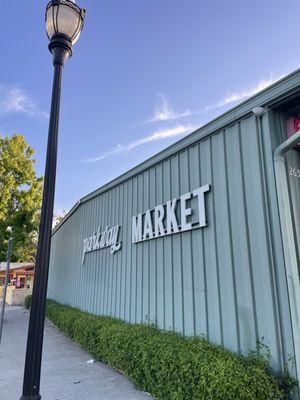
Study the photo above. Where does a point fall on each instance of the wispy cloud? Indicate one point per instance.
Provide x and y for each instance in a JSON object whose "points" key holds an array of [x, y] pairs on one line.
{"points": [[157, 135], [13, 99], [164, 111], [242, 95]]}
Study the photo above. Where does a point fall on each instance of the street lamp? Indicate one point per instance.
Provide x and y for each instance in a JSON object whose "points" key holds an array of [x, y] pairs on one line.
{"points": [[64, 22]]}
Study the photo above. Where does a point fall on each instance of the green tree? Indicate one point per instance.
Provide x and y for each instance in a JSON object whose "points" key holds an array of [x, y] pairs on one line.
{"points": [[20, 198], [58, 218]]}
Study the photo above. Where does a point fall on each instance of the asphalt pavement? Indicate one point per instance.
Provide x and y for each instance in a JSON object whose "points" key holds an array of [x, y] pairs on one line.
{"points": [[66, 375]]}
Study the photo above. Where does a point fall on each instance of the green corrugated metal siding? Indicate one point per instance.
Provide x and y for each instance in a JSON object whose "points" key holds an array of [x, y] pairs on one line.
{"points": [[226, 281]]}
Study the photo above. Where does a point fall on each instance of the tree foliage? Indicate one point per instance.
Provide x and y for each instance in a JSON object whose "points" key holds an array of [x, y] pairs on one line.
{"points": [[58, 218], [20, 198]]}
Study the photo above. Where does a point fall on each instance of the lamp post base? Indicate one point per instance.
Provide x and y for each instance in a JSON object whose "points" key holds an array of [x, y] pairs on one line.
{"points": [[31, 397]]}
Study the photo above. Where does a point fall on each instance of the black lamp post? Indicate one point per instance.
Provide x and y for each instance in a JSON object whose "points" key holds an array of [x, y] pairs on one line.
{"points": [[64, 22]]}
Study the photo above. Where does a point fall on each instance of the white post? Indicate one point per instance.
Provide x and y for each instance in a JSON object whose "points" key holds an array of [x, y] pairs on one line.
{"points": [[5, 285]]}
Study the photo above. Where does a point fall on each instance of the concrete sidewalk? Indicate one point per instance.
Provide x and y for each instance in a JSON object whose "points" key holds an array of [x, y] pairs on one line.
{"points": [[65, 373]]}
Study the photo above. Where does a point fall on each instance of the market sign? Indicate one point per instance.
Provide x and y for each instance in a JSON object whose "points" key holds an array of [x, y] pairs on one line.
{"points": [[101, 240], [177, 215], [163, 220]]}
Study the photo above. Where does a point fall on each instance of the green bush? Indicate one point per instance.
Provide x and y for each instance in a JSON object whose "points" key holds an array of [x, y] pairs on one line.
{"points": [[167, 365], [27, 301]]}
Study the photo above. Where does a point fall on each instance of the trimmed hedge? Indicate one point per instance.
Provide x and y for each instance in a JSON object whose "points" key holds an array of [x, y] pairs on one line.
{"points": [[167, 365], [27, 301]]}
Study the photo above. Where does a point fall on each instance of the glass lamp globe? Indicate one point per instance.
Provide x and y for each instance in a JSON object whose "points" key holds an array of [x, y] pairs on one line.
{"points": [[64, 17]]}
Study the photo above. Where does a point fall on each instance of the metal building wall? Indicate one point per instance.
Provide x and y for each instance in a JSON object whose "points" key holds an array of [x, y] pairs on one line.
{"points": [[225, 281], [293, 170]]}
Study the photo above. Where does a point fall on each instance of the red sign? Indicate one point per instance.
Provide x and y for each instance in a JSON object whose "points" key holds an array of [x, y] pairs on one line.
{"points": [[293, 126]]}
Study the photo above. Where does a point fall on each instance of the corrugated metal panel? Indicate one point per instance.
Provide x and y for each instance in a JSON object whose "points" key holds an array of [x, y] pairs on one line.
{"points": [[225, 282]]}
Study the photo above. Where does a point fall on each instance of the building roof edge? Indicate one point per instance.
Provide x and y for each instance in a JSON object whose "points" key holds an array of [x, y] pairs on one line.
{"points": [[274, 93]]}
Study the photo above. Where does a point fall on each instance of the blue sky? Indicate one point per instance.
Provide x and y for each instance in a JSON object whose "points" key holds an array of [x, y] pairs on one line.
{"points": [[143, 75]]}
